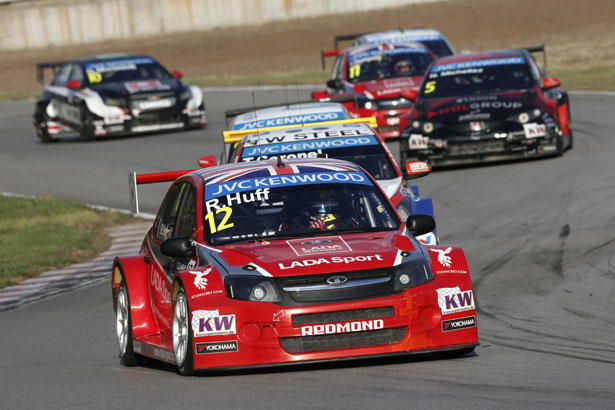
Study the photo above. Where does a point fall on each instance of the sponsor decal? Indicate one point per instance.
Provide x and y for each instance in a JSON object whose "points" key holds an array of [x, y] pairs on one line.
{"points": [[417, 141], [534, 130], [301, 136], [289, 120], [343, 327], [475, 116], [278, 316], [419, 167], [200, 281], [452, 300], [336, 259], [136, 346], [314, 145], [163, 354], [208, 293], [443, 257], [377, 52], [159, 284], [403, 38], [478, 63], [153, 104], [250, 184], [457, 324], [448, 110], [217, 347], [136, 86], [302, 247], [212, 323], [118, 65], [311, 154]]}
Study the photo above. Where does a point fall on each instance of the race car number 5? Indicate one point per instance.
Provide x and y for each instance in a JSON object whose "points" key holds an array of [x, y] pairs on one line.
{"points": [[430, 87], [223, 223]]}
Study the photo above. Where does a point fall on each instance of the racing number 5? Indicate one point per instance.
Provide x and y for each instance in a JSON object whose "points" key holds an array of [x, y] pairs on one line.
{"points": [[430, 87], [223, 224]]}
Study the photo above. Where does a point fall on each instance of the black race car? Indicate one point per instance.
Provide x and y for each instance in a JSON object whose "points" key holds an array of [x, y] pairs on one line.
{"points": [[486, 107], [115, 94]]}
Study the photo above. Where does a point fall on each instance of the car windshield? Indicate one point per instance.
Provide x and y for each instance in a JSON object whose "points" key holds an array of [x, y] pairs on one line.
{"points": [[477, 77], [439, 48], [364, 151], [125, 70], [377, 64], [237, 211]]}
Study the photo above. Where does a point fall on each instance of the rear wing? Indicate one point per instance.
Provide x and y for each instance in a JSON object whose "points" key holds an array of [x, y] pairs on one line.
{"points": [[538, 49], [40, 69], [135, 179], [345, 37], [231, 137], [328, 53]]}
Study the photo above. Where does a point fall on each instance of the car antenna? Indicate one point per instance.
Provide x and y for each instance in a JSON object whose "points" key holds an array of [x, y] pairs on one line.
{"points": [[258, 138], [286, 92]]}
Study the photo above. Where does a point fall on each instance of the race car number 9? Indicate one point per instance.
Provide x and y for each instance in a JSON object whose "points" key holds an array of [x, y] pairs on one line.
{"points": [[354, 71], [94, 78], [430, 87], [223, 223]]}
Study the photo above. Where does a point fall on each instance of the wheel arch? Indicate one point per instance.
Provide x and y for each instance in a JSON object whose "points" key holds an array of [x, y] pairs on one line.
{"points": [[134, 271]]}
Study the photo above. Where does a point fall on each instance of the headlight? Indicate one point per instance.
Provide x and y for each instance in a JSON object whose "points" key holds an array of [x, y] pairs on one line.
{"points": [[411, 274], [428, 127], [115, 102], [253, 288], [368, 105], [524, 117], [186, 95]]}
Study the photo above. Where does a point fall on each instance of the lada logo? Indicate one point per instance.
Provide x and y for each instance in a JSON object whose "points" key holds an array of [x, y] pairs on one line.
{"points": [[336, 280], [154, 98]]}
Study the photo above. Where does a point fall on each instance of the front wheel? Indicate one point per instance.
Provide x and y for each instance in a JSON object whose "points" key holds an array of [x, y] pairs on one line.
{"points": [[124, 327], [87, 124], [182, 336]]}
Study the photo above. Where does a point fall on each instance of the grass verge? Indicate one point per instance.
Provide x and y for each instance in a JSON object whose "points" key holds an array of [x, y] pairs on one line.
{"points": [[584, 78], [289, 78], [37, 235]]}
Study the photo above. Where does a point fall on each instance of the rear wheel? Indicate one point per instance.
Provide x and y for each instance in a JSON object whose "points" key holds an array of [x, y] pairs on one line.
{"points": [[182, 336], [42, 132], [124, 327], [87, 124]]}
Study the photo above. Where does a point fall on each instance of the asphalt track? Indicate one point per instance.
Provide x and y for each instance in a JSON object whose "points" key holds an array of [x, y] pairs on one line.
{"points": [[539, 236]]}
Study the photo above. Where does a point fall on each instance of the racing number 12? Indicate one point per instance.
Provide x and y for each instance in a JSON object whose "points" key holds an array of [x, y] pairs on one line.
{"points": [[223, 224]]}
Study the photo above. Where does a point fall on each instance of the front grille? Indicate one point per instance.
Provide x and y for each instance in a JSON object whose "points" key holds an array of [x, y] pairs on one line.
{"points": [[303, 344], [387, 128], [343, 316], [314, 289], [476, 147]]}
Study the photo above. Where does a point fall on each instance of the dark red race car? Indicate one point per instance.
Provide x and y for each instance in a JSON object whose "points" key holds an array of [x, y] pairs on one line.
{"points": [[274, 262], [370, 80]]}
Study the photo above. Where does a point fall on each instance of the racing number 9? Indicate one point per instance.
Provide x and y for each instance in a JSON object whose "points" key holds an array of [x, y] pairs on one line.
{"points": [[223, 224], [430, 87]]}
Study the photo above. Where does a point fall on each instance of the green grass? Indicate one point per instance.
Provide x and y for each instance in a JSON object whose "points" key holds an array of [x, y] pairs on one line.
{"points": [[581, 77], [37, 235], [289, 78]]}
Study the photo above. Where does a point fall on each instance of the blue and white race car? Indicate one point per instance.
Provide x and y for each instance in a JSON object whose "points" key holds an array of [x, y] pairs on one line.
{"points": [[115, 94]]}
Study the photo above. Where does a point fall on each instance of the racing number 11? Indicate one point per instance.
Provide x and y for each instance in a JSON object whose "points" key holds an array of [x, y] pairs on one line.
{"points": [[223, 224]]}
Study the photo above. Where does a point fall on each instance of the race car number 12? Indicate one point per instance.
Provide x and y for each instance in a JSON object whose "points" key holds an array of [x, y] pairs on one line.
{"points": [[223, 223]]}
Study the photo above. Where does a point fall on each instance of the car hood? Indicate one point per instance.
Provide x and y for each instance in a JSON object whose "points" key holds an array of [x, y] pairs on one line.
{"points": [[389, 87], [320, 254], [477, 107], [129, 88]]}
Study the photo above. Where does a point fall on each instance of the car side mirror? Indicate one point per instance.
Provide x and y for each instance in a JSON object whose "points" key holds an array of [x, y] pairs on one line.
{"points": [[420, 224], [550, 82], [417, 169], [410, 94], [73, 84], [178, 247], [207, 161], [334, 83], [177, 74]]}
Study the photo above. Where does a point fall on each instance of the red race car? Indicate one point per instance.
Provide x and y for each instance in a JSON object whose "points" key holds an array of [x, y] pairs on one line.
{"points": [[370, 80], [278, 262]]}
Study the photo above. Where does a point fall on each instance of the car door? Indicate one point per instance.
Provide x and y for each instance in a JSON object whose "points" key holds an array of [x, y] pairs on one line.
{"points": [[177, 216], [62, 99]]}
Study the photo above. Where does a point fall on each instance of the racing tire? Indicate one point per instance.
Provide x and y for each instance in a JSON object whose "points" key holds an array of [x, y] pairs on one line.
{"points": [[182, 335], [559, 150], [42, 133], [570, 139], [123, 323], [87, 124]]}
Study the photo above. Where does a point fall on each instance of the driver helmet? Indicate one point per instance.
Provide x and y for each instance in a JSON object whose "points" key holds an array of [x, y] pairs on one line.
{"points": [[404, 67]]}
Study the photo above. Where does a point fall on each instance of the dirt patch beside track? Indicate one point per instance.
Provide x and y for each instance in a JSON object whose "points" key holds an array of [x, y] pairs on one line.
{"points": [[574, 32]]}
